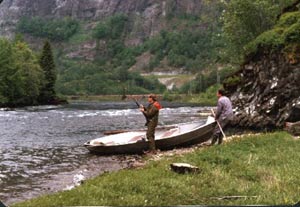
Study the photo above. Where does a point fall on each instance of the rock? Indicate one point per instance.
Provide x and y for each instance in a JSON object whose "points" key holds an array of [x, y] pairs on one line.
{"points": [[268, 94], [184, 168], [293, 128]]}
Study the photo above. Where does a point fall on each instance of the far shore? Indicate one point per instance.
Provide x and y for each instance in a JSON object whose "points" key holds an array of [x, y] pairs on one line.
{"points": [[176, 98]]}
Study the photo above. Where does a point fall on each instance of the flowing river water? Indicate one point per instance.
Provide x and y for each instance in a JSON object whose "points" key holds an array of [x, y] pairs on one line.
{"points": [[41, 148]]}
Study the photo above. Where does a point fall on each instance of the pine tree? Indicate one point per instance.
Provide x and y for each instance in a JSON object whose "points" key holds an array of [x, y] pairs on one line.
{"points": [[48, 95]]}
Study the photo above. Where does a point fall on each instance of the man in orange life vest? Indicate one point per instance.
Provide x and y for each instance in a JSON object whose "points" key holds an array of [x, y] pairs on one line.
{"points": [[151, 113]]}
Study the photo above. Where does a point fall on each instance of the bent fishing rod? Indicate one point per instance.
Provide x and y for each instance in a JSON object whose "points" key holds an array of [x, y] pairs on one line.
{"points": [[141, 106]]}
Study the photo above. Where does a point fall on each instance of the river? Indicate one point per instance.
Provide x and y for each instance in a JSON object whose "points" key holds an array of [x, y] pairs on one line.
{"points": [[41, 148]]}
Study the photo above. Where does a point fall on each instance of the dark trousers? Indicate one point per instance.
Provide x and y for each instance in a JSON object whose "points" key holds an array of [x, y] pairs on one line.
{"points": [[150, 135], [217, 135]]}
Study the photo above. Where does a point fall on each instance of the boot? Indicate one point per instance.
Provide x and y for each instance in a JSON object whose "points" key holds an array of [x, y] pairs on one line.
{"points": [[220, 139], [214, 139]]}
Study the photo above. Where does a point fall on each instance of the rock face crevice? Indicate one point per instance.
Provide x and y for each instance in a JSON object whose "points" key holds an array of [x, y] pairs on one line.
{"points": [[268, 92]]}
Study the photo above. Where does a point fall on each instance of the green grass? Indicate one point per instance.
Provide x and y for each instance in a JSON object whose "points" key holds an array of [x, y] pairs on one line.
{"points": [[207, 98], [265, 168]]}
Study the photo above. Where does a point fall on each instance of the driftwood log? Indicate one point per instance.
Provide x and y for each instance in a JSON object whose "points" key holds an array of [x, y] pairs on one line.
{"points": [[183, 168], [293, 128]]}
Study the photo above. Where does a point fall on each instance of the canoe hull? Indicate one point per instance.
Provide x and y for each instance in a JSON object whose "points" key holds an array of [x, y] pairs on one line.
{"points": [[198, 135]]}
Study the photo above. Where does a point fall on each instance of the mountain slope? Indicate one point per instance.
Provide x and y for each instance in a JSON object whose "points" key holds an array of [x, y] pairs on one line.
{"points": [[177, 33]]}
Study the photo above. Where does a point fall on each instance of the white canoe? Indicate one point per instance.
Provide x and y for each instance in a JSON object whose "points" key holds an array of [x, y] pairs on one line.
{"points": [[134, 142]]}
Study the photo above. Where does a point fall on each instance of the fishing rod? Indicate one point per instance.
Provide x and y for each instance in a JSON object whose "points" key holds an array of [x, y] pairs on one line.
{"points": [[137, 103], [141, 106]]}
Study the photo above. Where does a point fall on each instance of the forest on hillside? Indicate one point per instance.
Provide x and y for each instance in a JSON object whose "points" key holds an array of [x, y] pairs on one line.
{"points": [[210, 52]]}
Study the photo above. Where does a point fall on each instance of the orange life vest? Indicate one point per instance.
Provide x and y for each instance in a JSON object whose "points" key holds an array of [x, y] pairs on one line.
{"points": [[157, 105]]}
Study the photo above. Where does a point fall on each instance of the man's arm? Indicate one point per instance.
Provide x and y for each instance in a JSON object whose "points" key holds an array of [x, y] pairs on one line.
{"points": [[219, 109], [151, 112]]}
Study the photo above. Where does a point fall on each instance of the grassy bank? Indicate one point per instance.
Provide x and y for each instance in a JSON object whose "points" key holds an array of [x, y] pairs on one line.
{"points": [[261, 169]]}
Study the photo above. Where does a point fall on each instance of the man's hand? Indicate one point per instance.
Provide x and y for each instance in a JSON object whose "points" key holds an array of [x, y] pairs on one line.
{"points": [[142, 108], [213, 113]]}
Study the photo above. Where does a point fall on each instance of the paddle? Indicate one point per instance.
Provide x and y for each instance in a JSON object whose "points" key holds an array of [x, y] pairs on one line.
{"points": [[2, 204], [218, 124]]}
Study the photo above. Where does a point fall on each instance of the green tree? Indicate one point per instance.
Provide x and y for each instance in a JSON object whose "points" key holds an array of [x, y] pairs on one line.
{"points": [[29, 73], [244, 20], [7, 72], [20, 74], [47, 64]]}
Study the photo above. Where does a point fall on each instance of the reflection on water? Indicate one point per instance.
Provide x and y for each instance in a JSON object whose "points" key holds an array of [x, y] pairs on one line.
{"points": [[41, 148]]}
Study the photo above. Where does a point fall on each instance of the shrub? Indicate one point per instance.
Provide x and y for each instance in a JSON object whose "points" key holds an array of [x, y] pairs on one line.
{"points": [[53, 29], [288, 19], [292, 34], [269, 39], [111, 28], [285, 32]]}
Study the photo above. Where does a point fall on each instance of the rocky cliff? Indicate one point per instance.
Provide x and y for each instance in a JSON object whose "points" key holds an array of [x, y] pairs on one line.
{"points": [[150, 12], [268, 94], [266, 91]]}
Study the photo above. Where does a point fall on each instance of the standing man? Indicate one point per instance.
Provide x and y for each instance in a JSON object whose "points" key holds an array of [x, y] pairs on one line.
{"points": [[223, 115], [151, 113]]}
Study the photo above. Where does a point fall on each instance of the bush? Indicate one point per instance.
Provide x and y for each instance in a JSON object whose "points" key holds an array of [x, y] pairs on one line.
{"points": [[53, 29], [269, 39], [292, 34], [111, 28], [289, 19], [285, 32]]}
